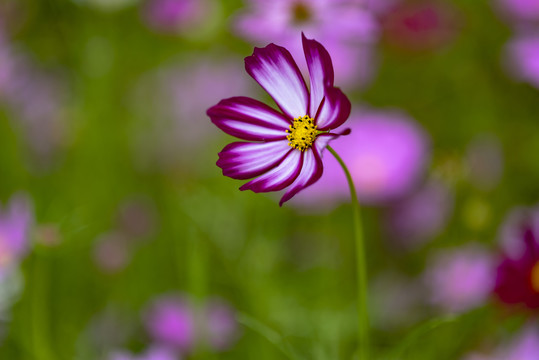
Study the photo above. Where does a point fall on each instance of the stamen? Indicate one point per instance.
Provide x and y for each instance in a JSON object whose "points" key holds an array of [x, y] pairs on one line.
{"points": [[302, 137]]}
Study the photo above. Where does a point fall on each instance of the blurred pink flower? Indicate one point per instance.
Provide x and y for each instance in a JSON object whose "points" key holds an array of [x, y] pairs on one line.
{"points": [[520, 10], [517, 276], [35, 99], [176, 98], [173, 16], [221, 325], [176, 322], [522, 54], [16, 221], [525, 346], [460, 279], [422, 25], [170, 321], [386, 154], [421, 215], [347, 29]]}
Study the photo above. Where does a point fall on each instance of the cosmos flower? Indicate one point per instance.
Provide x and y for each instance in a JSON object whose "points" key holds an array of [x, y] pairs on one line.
{"points": [[176, 322], [350, 40], [517, 277], [15, 224], [519, 10], [420, 25], [171, 321], [175, 97], [221, 325], [460, 279], [522, 54], [524, 346], [173, 16], [283, 149]]}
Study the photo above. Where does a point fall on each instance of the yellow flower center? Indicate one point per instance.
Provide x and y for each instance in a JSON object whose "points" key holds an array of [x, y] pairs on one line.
{"points": [[300, 13], [302, 133], [535, 277]]}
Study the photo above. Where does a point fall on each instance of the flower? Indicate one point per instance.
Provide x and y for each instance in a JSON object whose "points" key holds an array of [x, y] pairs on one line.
{"points": [[171, 321], [348, 30], [175, 97], [221, 325], [520, 10], [522, 53], [460, 279], [525, 346], [172, 16], [176, 322], [517, 276], [385, 153], [420, 25], [283, 149], [15, 224]]}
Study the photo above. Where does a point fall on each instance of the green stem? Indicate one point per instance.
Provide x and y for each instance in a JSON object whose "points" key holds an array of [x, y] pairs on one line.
{"points": [[361, 269]]}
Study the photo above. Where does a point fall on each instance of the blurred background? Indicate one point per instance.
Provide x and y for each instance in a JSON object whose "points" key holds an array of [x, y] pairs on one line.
{"points": [[120, 239]]}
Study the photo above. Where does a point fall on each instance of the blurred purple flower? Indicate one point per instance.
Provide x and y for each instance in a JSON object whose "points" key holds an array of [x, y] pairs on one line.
{"points": [[520, 10], [173, 16], [421, 215], [283, 149], [460, 279], [222, 327], [522, 53], [422, 25], [170, 321], [35, 99], [153, 353], [176, 98], [346, 28], [386, 154], [517, 278], [16, 221], [523, 347]]}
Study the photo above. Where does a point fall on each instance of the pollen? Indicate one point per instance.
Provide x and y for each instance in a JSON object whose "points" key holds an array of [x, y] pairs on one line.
{"points": [[302, 133]]}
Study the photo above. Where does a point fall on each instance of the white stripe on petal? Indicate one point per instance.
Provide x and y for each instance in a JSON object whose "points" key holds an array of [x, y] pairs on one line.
{"points": [[280, 176], [275, 70]]}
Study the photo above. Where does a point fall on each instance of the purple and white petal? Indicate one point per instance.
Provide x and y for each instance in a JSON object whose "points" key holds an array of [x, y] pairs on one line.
{"points": [[334, 110], [280, 176], [248, 119], [276, 71], [320, 71], [311, 171], [243, 160]]}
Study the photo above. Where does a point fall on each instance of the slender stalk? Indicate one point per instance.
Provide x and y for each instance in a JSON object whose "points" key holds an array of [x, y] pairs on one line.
{"points": [[361, 269]]}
